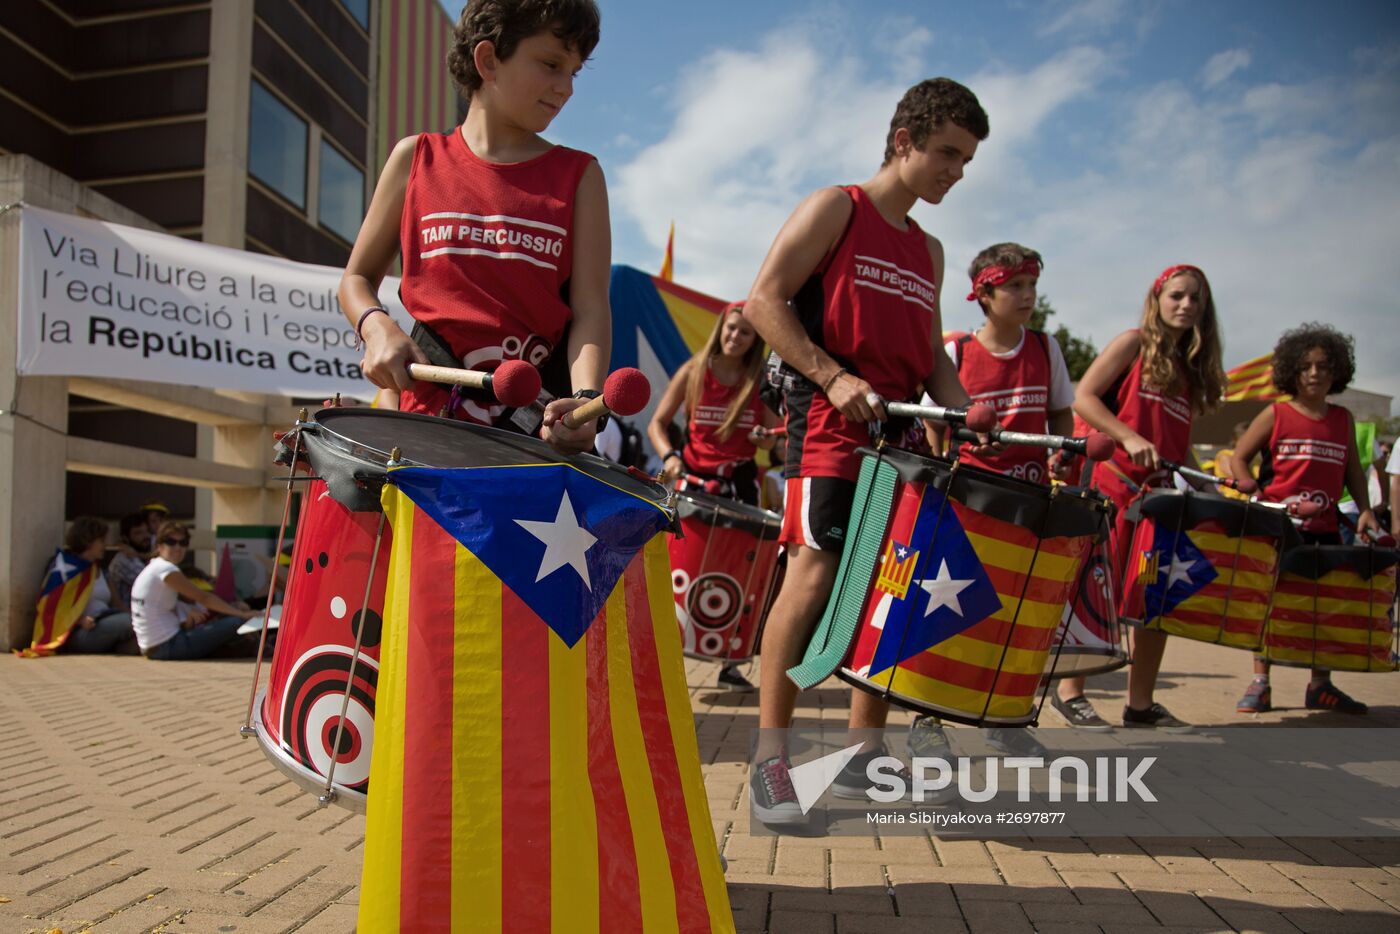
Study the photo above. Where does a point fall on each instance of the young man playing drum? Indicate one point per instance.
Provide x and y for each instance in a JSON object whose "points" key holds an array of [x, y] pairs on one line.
{"points": [[863, 279]]}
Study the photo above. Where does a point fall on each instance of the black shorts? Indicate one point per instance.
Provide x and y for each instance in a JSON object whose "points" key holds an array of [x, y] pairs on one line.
{"points": [[816, 512]]}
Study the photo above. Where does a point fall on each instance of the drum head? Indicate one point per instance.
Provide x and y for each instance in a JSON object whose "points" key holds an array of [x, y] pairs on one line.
{"points": [[350, 448], [726, 513]]}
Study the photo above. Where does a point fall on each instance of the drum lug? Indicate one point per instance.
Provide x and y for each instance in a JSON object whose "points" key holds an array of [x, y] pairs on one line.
{"points": [[326, 799], [246, 731]]}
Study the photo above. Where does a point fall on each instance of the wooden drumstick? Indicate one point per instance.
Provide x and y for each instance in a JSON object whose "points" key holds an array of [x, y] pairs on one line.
{"points": [[515, 383], [626, 392], [979, 416], [1096, 446]]}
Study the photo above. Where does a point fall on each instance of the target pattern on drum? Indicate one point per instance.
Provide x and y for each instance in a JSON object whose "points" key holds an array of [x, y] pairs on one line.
{"points": [[713, 602], [311, 711]]}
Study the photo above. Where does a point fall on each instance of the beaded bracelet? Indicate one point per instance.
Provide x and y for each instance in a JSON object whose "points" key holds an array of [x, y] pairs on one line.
{"points": [[832, 381], [360, 325]]}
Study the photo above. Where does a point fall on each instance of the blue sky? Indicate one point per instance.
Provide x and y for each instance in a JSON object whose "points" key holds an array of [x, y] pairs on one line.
{"points": [[1259, 140]]}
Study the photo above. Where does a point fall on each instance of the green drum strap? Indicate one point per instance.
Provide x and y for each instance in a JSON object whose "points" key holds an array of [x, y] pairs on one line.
{"points": [[865, 532]]}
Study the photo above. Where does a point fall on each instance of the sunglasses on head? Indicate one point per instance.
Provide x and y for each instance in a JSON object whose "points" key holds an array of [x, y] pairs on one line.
{"points": [[176, 542]]}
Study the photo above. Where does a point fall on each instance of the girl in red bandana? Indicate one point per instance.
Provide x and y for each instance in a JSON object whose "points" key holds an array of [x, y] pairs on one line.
{"points": [[1142, 391]]}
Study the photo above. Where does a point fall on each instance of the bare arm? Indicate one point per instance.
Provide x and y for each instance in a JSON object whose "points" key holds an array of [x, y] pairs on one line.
{"points": [[1357, 485], [806, 238], [388, 350], [666, 412], [1102, 373], [942, 384], [183, 586], [1255, 437], [1394, 500], [590, 334]]}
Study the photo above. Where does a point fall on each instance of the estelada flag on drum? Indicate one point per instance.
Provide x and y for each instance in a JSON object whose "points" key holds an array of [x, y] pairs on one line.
{"points": [[61, 602], [535, 765]]}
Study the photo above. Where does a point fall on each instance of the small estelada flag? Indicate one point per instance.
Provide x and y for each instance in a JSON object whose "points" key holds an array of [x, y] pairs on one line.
{"points": [[896, 569], [61, 602]]}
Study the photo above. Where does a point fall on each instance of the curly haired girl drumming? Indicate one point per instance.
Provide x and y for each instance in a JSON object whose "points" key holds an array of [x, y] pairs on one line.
{"points": [[1142, 391], [1309, 450]]}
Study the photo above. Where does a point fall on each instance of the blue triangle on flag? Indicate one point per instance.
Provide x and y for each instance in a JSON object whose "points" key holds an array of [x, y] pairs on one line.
{"points": [[951, 591], [65, 567], [1182, 570], [557, 537]]}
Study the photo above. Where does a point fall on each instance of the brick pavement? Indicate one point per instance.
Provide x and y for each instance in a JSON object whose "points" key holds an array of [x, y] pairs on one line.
{"points": [[134, 806]]}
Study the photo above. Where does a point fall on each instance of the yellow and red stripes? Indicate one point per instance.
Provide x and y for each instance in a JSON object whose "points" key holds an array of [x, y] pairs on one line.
{"points": [[1253, 379], [58, 610], [519, 784], [1339, 621]]}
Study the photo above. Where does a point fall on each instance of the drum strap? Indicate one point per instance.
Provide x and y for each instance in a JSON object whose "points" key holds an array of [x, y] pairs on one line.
{"points": [[433, 346]]}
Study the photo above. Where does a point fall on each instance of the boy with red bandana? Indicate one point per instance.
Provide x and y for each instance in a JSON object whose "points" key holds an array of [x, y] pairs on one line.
{"points": [[864, 280], [504, 236]]}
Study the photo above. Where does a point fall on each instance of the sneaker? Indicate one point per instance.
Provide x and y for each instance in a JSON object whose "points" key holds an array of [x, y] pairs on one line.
{"points": [[773, 799], [1327, 696], [1079, 713], [928, 739], [730, 678], [1257, 698], [1016, 741], [1155, 717], [853, 782]]}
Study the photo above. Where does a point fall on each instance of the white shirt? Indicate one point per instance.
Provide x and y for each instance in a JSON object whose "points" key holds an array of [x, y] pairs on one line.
{"points": [[1061, 389], [153, 613], [1392, 466]]}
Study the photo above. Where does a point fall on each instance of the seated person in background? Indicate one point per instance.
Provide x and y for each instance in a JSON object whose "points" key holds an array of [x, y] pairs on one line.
{"points": [[101, 628], [159, 629], [129, 559], [155, 512]]}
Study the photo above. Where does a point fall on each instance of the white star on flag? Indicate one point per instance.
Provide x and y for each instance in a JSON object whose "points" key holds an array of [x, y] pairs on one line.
{"points": [[902, 552], [565, 542], [64, 569], [1178, 571], [943, 590]]}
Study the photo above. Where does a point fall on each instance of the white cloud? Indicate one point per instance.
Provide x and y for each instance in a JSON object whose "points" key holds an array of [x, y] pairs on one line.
{"points": [[1224, 64], [1284, 193], [1085, 16]]}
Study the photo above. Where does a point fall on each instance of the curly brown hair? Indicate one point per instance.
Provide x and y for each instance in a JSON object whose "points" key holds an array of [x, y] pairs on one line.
{"points": [[928, 105], [83, 531], [1294, 345], [504, 23]]}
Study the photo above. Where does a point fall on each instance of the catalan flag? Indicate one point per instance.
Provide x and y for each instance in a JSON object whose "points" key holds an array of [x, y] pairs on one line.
{"points": [[1253, 379], [897, 569], [62, 600], [977, 626], [535, 765], [1331, 609], [1203, 583]]}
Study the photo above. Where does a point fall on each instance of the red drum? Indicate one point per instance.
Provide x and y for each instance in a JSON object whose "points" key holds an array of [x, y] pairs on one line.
{"points": [[1090, 639], [952, 586], [321, 613], [1203, 566], [1332, 609], [725, 570]]}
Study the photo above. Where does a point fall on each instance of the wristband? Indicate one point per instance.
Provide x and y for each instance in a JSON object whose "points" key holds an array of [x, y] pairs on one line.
{"points": [[593, 394], [360, 325], [670, 454], [832, 381]]}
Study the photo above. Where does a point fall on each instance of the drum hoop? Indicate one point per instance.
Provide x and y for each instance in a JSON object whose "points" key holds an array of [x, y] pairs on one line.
{"points": [[730, 508]]}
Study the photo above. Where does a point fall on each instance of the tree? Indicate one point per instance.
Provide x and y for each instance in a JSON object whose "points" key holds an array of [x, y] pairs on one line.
{"points": [[1079, 352]]}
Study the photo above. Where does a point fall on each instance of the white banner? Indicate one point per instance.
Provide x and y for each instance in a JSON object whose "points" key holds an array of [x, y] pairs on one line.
{"points": [[99, 299]]}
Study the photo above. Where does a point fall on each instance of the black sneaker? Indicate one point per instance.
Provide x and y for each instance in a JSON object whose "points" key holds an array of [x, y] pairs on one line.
{"points": [[1080, 714], [929, 740], [732, 680], [1327, 696], [1155, 717], [772, 797], [1016, 741], [853, 783]]}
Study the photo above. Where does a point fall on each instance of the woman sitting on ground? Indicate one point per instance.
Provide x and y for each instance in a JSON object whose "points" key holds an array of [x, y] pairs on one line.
{"points": [[162, 633], [102, 627]]}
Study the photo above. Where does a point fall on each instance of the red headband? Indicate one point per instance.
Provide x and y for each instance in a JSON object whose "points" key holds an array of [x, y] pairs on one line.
{"points": [[1000, 275], [1171, 271]]}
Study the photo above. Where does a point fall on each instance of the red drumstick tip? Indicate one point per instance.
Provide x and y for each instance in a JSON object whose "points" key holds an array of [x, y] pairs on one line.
{"points": [[1246, 485], [1305, 508], [980, 417], [515, 383], [1098, 446], [1385, 541], [627, 391]]}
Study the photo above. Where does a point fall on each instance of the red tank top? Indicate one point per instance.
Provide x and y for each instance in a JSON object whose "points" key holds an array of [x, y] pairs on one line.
{"points": [[1163, 418], [1018, 387], [1307, 460], [704, 451], [871, 307], [488, 250]]}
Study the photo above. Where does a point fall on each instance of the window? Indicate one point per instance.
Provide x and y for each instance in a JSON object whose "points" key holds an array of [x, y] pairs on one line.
{"points": [[340, 194], [277, 146], [358, 9]]}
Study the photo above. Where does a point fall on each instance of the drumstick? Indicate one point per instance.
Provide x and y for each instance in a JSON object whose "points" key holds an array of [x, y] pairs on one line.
{"points": [[779, 432], [1096, 445], [979, 416], [1242, 485], [625, 392], [1376, 537], [515, 383]]}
